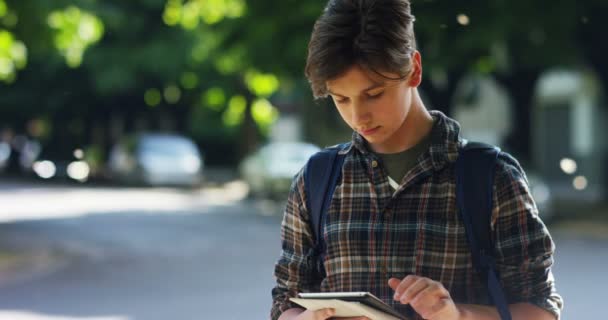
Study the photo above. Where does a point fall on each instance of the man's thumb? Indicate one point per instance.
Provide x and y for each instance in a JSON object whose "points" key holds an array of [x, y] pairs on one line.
{"points": [[326, 313]]}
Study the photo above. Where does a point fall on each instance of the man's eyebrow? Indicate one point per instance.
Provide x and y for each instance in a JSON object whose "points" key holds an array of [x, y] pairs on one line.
{"points": [[333, 93], [373, 86]]}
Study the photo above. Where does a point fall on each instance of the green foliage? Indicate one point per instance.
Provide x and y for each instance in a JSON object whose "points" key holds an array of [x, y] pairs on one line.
{"points": [[3, 9], [497, 36], [172, 94], [75, 30], [188, 14], [264, 114], [13, 56], [235, 113], [189, 80], [152, 97], [262, 85], [214, 98], [215, 65]]}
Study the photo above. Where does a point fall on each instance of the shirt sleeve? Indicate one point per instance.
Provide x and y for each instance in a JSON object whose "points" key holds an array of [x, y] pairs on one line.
{"points": [[295, 271], [524, 246]]}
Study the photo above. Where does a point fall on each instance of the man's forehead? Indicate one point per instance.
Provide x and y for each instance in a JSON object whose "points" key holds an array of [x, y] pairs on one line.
{"points": [[358, 80], [336, 87], [364, 89]]}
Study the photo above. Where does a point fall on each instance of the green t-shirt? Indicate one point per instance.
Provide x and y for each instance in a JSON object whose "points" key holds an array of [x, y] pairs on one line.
{"points": [[398, 164]]}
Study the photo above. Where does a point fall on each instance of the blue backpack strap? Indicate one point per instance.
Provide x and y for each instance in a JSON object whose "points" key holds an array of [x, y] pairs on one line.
{"points": [[321, 176], [474, 184]]}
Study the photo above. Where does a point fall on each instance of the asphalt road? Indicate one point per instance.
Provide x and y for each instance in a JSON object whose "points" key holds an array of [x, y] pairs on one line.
{"points": [[126, 254]]}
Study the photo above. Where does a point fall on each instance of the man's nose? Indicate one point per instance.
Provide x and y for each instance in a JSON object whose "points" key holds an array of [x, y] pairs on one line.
{"points": [[360, 114]]}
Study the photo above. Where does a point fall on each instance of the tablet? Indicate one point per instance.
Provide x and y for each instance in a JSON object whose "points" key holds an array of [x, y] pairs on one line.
{"points": [[361, 297]]}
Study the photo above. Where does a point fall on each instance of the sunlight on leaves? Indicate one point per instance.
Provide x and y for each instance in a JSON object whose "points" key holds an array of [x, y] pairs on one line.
{"points": [[235, 114], [190, 13], [214, 98], [261, 84], [8, 18], [485, 65], [172, 13], [231, 61], [74, 31], [152, 97], [3, 8], [205, 44], [13, 56], [189, 80], [264, 114], [172, 94]]}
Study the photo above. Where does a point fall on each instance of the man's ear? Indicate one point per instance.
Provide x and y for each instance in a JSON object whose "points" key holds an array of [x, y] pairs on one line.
{"points": [[415, 77]]}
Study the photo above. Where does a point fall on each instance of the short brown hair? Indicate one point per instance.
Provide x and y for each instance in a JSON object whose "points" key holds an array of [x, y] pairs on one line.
{"points": [[376, 34]]}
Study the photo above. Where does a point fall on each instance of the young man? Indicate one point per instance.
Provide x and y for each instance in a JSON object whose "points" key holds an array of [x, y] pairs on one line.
{"points": [[392, 227]]}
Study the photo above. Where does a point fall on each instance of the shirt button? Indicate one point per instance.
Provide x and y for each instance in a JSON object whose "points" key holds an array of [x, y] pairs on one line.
{"points": [[374, 164]]}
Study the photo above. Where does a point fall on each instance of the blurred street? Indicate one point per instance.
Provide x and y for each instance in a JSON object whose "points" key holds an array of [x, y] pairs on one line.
{"points": [[69, 252]]}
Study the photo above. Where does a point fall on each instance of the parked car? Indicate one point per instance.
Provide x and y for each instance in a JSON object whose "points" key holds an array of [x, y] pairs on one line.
{"points": [[269, 171], [156, 159], [5, 154], [18, 153], [61, 164]]}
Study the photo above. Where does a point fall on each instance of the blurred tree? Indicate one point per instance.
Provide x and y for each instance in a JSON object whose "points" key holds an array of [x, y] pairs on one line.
{"points": [[220, 70], [252, 48], [512, 40]]}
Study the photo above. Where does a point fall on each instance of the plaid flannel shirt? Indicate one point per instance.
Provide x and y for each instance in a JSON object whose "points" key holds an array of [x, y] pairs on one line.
{"points": [[373, 233]]}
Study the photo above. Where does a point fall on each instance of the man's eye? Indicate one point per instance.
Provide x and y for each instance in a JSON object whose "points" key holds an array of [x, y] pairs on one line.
{"points": [[375, 95], [344, 100]]}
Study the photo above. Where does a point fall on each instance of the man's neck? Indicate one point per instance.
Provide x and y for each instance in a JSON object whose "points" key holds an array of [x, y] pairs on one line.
{"points": [[416, 126]]}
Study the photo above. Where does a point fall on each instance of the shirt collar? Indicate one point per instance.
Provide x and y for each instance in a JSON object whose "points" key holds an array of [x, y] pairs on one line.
{"points": [[445, 141]]}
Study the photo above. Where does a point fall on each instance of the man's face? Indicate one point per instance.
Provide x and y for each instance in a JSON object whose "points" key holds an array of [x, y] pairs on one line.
{"points": [[373, 106]]}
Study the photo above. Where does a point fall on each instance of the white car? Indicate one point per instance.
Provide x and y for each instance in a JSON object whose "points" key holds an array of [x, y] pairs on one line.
{"points": [[270, 170], [156, 159]]}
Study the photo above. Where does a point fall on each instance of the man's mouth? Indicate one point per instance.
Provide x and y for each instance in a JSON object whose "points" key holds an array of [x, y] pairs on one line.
{"points": [[370, 131]]}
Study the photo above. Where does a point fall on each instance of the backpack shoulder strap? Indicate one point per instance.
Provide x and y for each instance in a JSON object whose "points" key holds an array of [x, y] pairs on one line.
{"points": [[475, 168], [321, 175]]}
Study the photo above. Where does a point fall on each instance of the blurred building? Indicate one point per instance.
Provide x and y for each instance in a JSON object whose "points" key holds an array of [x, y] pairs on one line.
{"points": [[483, 108], [287, 128], [569, 124]]}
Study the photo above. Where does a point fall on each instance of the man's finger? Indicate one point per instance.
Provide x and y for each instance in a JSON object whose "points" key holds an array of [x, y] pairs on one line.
{"points": [[413, 290], [394, 283], [323, 314], [425, 300], [405, 284]]}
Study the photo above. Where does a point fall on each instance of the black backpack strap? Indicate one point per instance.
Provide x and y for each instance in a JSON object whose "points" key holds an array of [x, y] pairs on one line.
{"points": [[474, 185], [321, 175]]}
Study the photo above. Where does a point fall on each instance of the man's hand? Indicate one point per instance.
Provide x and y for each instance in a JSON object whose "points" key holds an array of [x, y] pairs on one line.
{"points": [[429, 298], [322, 314]]}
